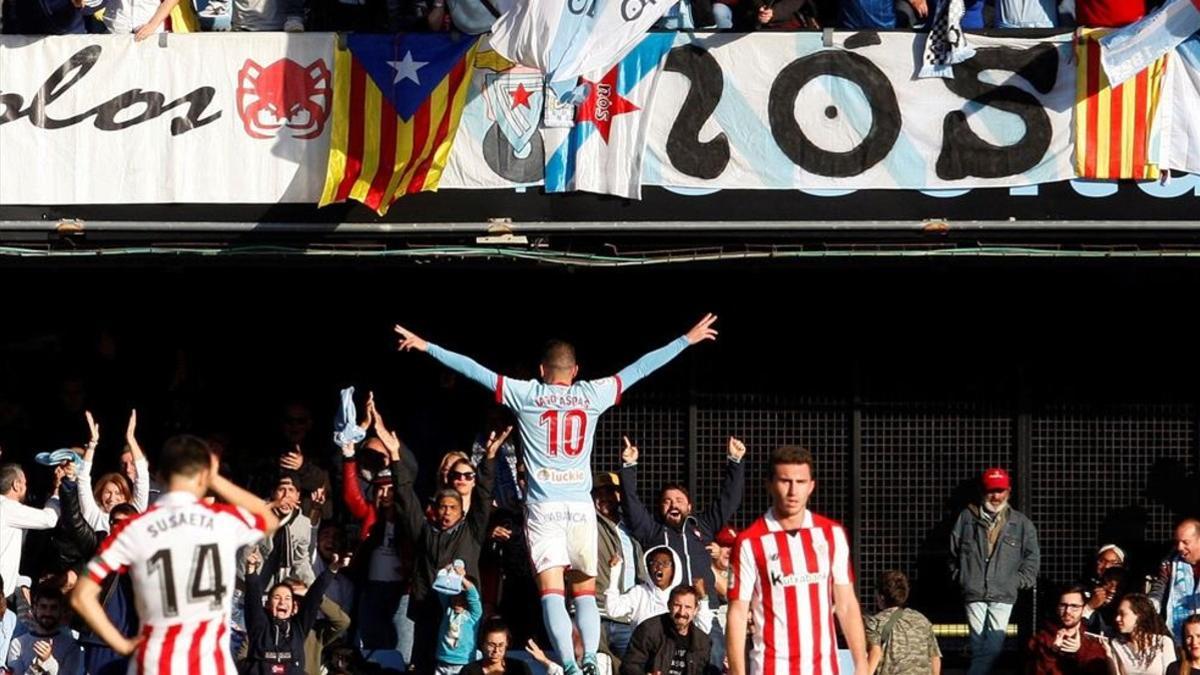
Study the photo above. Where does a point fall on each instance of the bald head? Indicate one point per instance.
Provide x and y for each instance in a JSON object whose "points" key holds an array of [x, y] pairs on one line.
{"points": [[1187, 540]]}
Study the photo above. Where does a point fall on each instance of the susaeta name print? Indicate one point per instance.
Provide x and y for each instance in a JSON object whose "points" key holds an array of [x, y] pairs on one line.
{"points": [[189, 118]]}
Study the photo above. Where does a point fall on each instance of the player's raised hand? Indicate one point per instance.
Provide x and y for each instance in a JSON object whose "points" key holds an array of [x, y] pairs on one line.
{"points": [[495, 442], [410, 340], [630, 454], [703, 330], [737, 449]]}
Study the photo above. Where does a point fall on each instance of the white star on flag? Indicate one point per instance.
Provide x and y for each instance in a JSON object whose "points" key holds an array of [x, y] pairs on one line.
{"points": [[407, 68]]}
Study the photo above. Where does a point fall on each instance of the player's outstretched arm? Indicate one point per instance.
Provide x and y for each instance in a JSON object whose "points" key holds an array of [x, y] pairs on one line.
{"points": [[86, 601], [660, 357], [226, 490], [463, 365]]}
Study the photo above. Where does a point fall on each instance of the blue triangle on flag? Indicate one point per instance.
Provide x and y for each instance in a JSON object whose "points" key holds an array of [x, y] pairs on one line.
{"points": [[408, 66]]}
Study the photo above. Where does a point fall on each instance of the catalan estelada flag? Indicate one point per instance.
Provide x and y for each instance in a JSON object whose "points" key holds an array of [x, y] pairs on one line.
{"points": [[397, 101], [1113, 125]]}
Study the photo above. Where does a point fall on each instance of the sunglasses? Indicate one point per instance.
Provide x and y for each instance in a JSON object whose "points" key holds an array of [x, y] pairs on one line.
{"points": [[465, 475]]}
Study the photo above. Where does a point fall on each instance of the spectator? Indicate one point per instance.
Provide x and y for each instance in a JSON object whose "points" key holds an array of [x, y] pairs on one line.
{"points": [[1105, 597], [453, 535], [143, 19], [277, 632], [506, 559], [461, 613], [48, 648], [782, 15], [82, 540], [1108, 557], [330, 542], [614, 540], [686, 533], [112, 488], [719, 550], [669, 643], [993, 554], [293, 538], [496, 638], [972, 18], [50, 17], [900, 640], [1062, 647], [15, 519], [332, 623], [649, 599], [1189, 663], [1143, 645], [1176, 590], [604, 664]]}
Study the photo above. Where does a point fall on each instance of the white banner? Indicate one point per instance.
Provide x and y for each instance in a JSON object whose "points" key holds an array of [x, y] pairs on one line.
{"points": [[214, 118], [782, 111]]}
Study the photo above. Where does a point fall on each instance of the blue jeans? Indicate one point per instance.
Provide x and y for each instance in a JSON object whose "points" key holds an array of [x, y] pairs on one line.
{"points": [[618, 635], [988, 622], [716, 656], [383, 618]]}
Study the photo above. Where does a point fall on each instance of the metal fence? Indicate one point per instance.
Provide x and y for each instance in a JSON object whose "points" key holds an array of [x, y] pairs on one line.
{"points": [[898, 473]]}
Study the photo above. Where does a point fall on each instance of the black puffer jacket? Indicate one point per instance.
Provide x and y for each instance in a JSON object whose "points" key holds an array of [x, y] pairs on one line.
{"points": [[279, 642]]}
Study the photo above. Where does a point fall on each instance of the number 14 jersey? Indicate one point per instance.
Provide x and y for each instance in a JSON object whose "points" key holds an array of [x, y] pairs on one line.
{"points": [[180, 555]]}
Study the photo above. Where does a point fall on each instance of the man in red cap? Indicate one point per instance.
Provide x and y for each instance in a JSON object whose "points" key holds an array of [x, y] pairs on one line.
{"points": [[993, 555]]}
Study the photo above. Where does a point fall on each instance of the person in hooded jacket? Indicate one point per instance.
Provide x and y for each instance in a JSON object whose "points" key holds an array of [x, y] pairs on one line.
{"points": [[650, 598], [678, 526], [277, 630]]}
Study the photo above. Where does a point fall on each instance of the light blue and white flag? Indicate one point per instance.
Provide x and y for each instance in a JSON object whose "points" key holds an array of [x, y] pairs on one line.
{"points": [[603, 151], [569, 38], [1127, 51]]}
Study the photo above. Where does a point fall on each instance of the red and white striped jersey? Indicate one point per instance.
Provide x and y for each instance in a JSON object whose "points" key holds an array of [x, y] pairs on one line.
{"points": [[181, 556], [788, 576]]}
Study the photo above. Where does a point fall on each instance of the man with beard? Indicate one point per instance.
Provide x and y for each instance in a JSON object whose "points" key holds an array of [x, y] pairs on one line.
{"points": [[49, 648], [1062, 646], [993, 555], [669, 644], [687, 533], [614, 540]]}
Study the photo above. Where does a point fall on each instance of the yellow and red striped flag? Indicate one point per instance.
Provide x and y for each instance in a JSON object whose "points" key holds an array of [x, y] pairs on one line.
{"points": [[1113, 125], [397, 102]]}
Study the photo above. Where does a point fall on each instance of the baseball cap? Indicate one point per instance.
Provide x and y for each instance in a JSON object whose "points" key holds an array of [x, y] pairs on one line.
{"points": [[603, 479], [726, 536], [996, 479]]}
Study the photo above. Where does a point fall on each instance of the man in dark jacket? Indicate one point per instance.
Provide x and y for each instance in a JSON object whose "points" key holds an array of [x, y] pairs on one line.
{"points": [[670, 643], [686, 533], [993, 555], [276, 632], [452, 535]]}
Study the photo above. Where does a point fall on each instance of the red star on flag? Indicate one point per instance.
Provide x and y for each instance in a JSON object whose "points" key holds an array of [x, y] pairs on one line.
{"points": [[603, 103], [520, 96]]}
